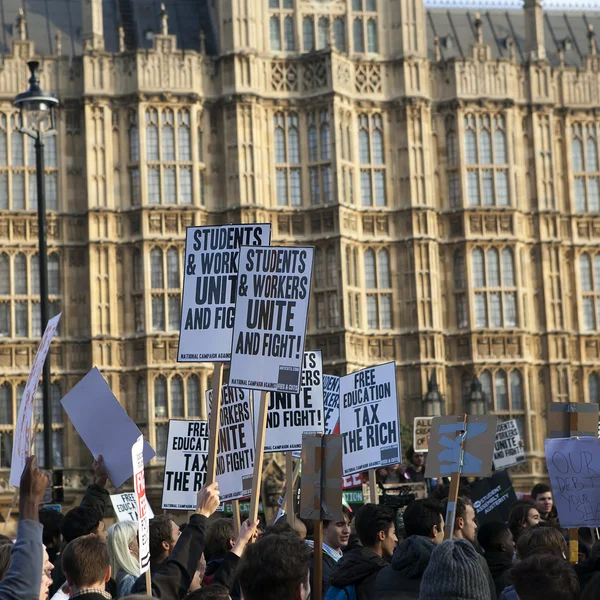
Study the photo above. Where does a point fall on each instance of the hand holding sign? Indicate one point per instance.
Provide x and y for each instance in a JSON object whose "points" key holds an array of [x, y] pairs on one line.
{"points": [[209, 499]]}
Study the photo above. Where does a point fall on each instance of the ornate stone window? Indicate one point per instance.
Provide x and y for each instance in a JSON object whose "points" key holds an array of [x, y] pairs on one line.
{"points": [[364, 26], [165, 299], [460, 296], [372, 160], [201, 175], [339, 33], [590, 290], [354, 296], [326, 288], [378, 283], [281, 25], [495, 288], [346, 173], [319, 157], [586, 170], [287, 159], [505, 394]]}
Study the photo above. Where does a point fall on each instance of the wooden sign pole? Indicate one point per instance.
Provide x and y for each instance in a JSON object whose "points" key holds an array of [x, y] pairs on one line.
{"points": [[573, 532], [454, 486], [317, 589], [288, 499], [284, 499], [148, 583], [214, 424], [237, 521], [259, 452], [373, 495]]}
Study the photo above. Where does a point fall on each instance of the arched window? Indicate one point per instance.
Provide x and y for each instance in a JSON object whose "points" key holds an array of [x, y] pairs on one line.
{"points": [[364, 151], [323, 32], [38, 404], [478, 268], [138, 279], [288, 33], [585, 268], [17, 147], [4, 274], [313, 146], [372, 43], [53, 274], [280, 146], [500, 154], [293, 139], [508, 270], [493, 267], [20, 274], [193, 396], [151, 134], [589, 289], [332, 270], [485, 141], [470, 140], [577, 155], [358, 35], [308, 34], [378, 156], [370, 273], [184, 141], [591, 153], [384, 269], [339, 33], [275, 34], [516, 391], [593, 388], [141, 399], [486, 385], [177, 397], [451, 149], [459, 270], [465, 386], [325, 136], [501, 386], [156, 269], [160, 397], [55, 398], [35, 274], [168, 135], [318, 268], [6, 411], [134, 138], [173, 278]]}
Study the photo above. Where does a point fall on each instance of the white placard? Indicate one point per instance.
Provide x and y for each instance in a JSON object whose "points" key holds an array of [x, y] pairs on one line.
{"points": [[369, 419], [210, 286], [139, 485], [235, 458], [185, 464], [270, 318], [125, 507], [104, 426], [331, 403], [508, 447], [290, 416], [22, 442]]}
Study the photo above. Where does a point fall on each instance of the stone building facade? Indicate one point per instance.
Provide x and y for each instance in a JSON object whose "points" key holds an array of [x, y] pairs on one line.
{"points": [[443, 162]]}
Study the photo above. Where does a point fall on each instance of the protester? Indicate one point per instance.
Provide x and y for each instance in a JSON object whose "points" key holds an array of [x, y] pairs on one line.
{"points": [[52, 521], [465, 527], [546, 577], [522, 516], [415, 472], [220, 538], [164, 534], [547, 539], [587, 569], [541, 494], [499, 548], [455, 573], [424, 527], [211, 592], [86, 565], [359, 567], [282, 526], [589, 589], [275, 568], [124, 555]]}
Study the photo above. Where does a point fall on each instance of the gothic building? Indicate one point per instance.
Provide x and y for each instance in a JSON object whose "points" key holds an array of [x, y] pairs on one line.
{"points": [[443, 162]]}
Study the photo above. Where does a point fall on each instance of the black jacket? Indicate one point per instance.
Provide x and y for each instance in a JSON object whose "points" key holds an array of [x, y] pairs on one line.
{"points": [[500, 566], [328, 566], [359, 568], [488, 576], [402, 579]]}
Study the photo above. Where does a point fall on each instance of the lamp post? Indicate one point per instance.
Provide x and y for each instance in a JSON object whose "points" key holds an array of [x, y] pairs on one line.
{"points": [[37, 121], [477, 398], [433, 400]]}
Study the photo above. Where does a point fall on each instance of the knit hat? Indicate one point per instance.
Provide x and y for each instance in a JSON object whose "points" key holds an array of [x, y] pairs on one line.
{"points": [[454, 573]]}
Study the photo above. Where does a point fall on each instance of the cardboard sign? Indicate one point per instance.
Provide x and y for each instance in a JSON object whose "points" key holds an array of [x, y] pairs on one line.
{"points": [[235, 456], [125, 507], [22, 442], [421, 431], [290, 416], [139, 484], [331, 403], [574, 470], [320, 490], [567, 419], [270, 318], [369, 419], [210, 286], [185, 464], [493, 498], [445, 441], [508, 447], [104, 426]]}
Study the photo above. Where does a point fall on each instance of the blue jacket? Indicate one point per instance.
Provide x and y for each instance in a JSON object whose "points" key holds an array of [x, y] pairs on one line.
{"points": [[509, 593]]}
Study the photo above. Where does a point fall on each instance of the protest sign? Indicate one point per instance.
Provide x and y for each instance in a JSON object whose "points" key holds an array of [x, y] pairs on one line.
{"points": [[369, 419], [23, 434], [270, 318], [566, 419], [185, 464], [235, 455], [210, 287], [445, 446], [125, 507], [493, 498], [574, 470], [508, 447], [331, 403], [139, 484], [421, 431], [290, 416], [104, 426]]}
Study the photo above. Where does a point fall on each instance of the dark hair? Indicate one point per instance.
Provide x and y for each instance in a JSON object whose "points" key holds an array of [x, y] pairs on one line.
{"points": [[370, 520], [218, 535], [345, 513], [539, 488], [518, 517], [52, 521], [281, 527], [81, 520], [545, 576], [4, 539], [461, 507], [410, 453], [540, 537], [421, 516], [215, 591], [161, 531], [85, 561], [5, 556], [590, 589], [274, 567], [492, 534]]}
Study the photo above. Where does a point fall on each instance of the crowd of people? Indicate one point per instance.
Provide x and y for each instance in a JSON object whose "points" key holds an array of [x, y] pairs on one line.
{"points": [[367, 554]]}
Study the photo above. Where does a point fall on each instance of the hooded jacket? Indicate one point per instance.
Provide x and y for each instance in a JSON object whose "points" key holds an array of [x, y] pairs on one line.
{"points": [[402, 579], [359, 568], [500, 566]]}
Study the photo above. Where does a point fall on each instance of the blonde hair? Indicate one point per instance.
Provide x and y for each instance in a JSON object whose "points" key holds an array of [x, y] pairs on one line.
{"points": [[120, 535]]}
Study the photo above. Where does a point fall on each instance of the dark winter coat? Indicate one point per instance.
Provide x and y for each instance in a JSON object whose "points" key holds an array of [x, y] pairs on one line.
{"points": [[359, 568], [500, 566]]}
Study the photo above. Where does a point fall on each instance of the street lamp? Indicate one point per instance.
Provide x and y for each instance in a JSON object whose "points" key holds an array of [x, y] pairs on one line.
{"points": [[477, 398], [37, 121], [433, 400]]}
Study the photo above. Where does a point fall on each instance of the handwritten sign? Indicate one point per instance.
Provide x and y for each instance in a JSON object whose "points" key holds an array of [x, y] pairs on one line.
{"points": [[574, 470], [421, 431]]}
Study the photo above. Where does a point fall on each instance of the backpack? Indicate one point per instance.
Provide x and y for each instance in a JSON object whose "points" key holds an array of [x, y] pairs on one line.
{"points": [[347, 593]]}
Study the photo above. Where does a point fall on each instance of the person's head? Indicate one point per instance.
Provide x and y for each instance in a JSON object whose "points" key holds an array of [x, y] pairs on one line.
{"points": [[522, 516], [83, 520], [214, 591], [417, 459], [426, 518], [545, 576], [164, 534], [496, 537], [337, 533], [85, 563], [220, 538], [541, 494], [376, 528], [52, 522], [454, 572], [47, 567], [123, 548], [546, 539], [465, 521], [275, 568]]}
